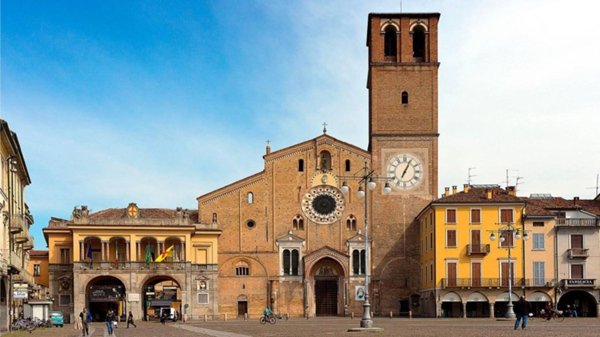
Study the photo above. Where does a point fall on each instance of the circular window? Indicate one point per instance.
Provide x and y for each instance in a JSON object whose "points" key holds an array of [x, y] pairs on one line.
{"points": [[323, 204], [250, 224]]}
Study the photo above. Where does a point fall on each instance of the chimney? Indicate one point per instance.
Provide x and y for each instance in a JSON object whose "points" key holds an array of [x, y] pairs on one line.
{"points": [[488, 194], [512, 190], [575, 200], [466, 188], [454, 190], [446, 191]]}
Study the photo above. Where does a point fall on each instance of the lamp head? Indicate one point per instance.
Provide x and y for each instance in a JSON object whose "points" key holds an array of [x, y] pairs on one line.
{"points": [[371, 184], [361, 192], [345, 189], [387, 189]]}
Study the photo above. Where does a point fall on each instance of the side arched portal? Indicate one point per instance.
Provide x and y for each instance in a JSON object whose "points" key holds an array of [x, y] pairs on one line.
{"points": [[161, 293]]}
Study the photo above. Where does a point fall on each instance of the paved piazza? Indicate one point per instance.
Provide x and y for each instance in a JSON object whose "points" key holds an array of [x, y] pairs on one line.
{"points": [[338, 327]]}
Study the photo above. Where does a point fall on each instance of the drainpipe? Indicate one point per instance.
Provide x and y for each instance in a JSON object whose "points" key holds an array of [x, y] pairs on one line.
{"points": [[556, 228]]}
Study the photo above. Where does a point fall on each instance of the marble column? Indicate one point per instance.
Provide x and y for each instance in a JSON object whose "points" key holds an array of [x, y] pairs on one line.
{"points": [[492, 310]]}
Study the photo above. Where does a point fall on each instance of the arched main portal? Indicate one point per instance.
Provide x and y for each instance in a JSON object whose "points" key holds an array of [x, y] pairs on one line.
{"points": [[160, 292], [329, 286], [104, 293], [584, 302]]}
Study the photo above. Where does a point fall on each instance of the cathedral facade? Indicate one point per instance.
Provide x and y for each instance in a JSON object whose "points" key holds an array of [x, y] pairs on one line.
{"points": [[293, 240]]}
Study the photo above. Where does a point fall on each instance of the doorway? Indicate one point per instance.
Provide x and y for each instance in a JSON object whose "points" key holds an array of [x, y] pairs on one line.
{"points": [[242, 308], [326, 297]]}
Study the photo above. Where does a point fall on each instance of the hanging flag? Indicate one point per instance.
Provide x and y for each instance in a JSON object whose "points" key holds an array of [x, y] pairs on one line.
{"points": [[148, 254], [89, 251], [165, 254]]}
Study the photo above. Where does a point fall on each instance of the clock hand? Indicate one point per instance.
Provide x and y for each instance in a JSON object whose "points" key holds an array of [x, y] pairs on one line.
{"points": [[405, 169]]}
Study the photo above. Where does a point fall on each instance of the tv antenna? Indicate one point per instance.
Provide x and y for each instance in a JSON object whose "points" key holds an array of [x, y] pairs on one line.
{"points": [[507, 176], [470, 175], [597, 185]]}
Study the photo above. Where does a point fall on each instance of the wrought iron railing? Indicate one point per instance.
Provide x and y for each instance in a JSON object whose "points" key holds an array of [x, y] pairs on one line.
{"points": [[495, 283], [138, 266], [576, 222], [478, 249]]}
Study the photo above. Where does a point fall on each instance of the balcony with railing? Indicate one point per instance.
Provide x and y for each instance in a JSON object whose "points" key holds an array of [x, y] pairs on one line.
{"points": [[478, 249], [578, 253], [467, 283], [135, 266], [575, 222]]}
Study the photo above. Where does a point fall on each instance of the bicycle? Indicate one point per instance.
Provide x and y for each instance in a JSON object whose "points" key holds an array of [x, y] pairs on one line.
{"points": [[271, 319], [556, 315]]}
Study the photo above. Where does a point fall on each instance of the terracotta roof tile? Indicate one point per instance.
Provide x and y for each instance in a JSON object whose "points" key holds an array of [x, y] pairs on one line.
{"points": [[477, 195]]}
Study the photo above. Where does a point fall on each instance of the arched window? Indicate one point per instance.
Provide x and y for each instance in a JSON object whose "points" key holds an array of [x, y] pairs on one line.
{"points": [[300, 165], [214, 218], [363, 262], [404, 97], [286, 262], [325, 161], [241, 269], [250, 198], [419, 43], [295, 259], [351, 223], [298, 223], [389, 44], [358, 262], [291, 258], [347, 165]]}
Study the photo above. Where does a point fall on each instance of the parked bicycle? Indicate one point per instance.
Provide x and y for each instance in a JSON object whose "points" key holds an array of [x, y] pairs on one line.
{"points": [[556, 315]]}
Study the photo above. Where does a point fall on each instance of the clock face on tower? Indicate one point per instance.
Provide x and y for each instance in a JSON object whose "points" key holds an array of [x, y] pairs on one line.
{"points": [[405, 171]]}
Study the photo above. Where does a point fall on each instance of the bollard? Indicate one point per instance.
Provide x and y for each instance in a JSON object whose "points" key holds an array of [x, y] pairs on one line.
{"points": [[205, 318], [352, 315], [391, 314], [410, 314], [225, 317], [245, 316]]}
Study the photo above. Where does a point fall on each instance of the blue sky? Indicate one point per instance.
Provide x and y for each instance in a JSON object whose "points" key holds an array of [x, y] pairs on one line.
{"points": [[158, 102]]}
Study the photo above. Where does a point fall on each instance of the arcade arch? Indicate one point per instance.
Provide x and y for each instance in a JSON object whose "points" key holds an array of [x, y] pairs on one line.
{"points": [[160, 292], [104, 293]]}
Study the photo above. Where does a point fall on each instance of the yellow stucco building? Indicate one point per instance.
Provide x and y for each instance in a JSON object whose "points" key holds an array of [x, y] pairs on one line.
{"points": [[464, 273], [107, 260]]}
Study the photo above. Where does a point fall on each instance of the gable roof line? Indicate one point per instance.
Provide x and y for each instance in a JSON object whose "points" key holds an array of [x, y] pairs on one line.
{"points": [[282, 152], [230, 188]]}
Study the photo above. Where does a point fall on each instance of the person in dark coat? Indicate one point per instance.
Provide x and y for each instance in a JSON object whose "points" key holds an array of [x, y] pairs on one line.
{"points": [[522, 309], [130, 320]]}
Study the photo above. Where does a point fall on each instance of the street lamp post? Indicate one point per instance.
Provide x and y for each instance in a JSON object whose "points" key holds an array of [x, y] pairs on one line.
{"points": [[367, 179], [515, 233]]}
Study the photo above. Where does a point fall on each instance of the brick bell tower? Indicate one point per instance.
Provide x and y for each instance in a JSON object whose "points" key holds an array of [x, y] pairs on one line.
{"points": [[403, 141]]}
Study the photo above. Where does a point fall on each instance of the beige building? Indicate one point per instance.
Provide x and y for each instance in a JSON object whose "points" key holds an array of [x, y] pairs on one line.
{"points": [[568, 255], [108, 260], [294, 241], [15, 241]]}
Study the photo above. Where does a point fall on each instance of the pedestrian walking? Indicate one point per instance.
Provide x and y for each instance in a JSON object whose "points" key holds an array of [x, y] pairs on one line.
{"points": [[130, 320], [522, 311], [110, 318], [84, 322]]}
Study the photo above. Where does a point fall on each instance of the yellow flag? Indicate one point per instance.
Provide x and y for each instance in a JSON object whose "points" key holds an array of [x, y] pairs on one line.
{"points": [[165, 254]]}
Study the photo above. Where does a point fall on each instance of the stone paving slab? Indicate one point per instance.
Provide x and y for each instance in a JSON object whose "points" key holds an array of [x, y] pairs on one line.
{"points": [[397, 327]]}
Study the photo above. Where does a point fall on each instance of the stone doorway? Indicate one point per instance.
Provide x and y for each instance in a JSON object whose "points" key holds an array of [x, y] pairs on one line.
{"points": [[242, 308], [326, 297]]}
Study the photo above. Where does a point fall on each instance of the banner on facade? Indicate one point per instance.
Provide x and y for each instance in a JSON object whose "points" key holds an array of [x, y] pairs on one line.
{"points": [[104, 294], [359, 293]]}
